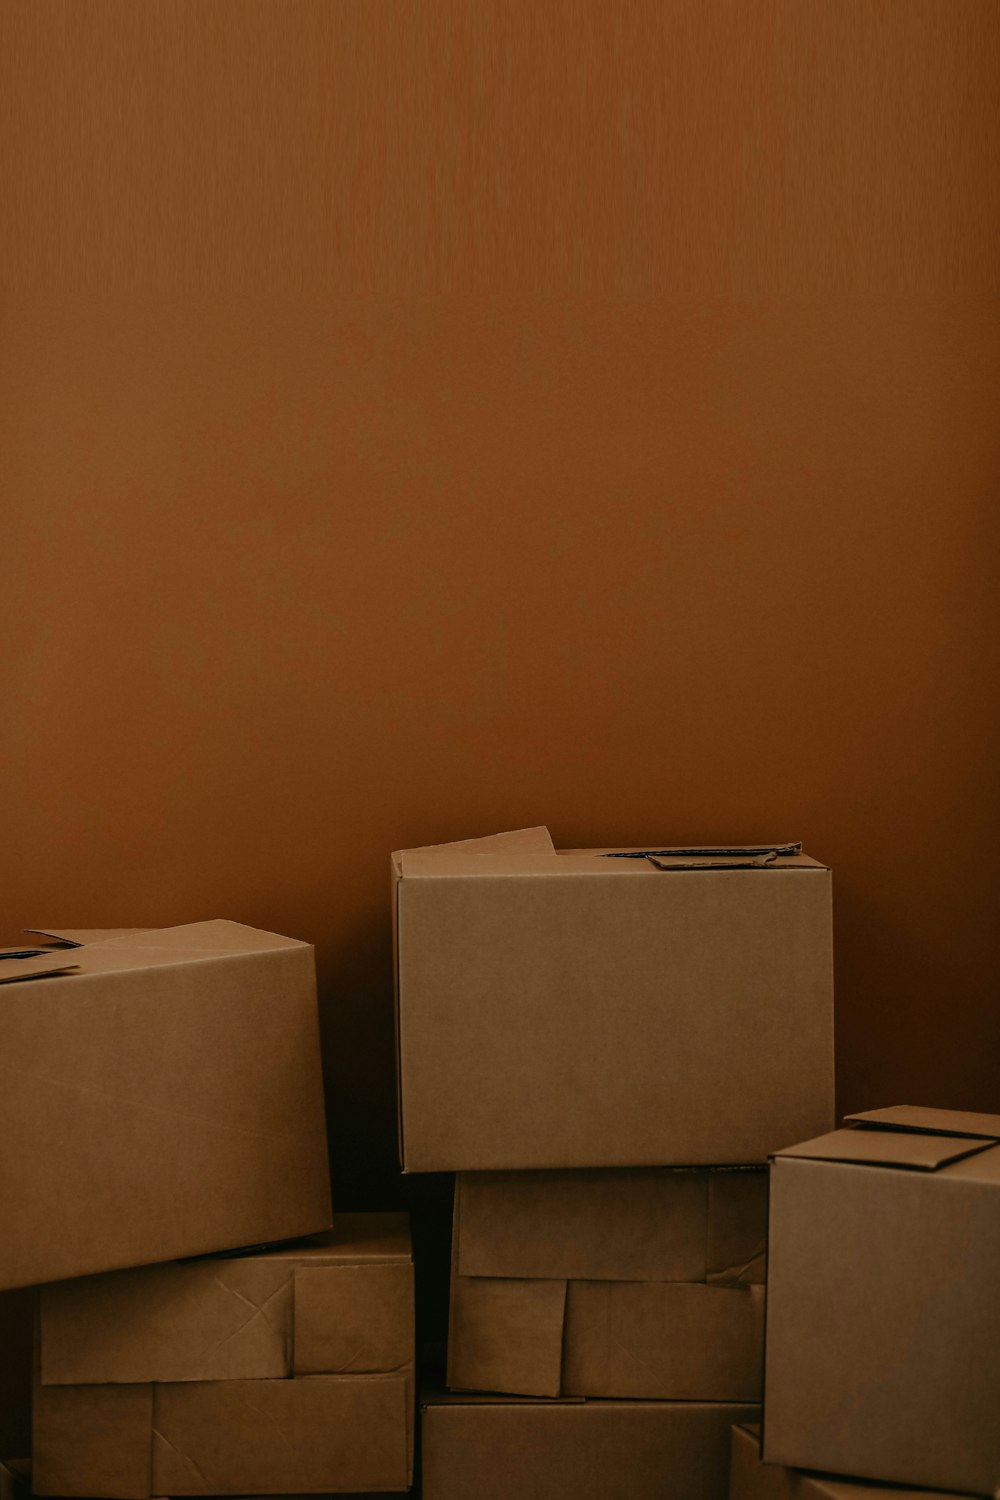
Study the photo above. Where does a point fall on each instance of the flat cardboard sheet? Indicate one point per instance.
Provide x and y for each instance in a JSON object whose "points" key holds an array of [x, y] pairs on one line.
{"points": [[883, 1318], [593, 1450], [163, 1098], [632, 1284], [579, 1010]]}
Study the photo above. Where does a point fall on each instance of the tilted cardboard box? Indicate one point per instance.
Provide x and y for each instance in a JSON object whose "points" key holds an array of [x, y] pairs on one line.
{"points": [[477, 1448], [883, 1308], [752, 1479], [628, 1283], [162, 1095], [609, 1007], [284, 1372]]}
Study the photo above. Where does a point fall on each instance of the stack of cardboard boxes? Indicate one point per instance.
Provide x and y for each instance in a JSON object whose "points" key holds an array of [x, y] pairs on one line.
{"points": [[163, 1098], [605, 1046]]}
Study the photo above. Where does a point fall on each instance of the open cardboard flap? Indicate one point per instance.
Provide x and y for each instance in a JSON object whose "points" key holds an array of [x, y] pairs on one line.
{"points": [[105, 950], [933, 1121], [903, 1135]]}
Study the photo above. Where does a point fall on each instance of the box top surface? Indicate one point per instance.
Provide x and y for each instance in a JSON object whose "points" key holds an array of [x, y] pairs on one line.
{"points": [[903, 1136], [83, 951], [530, 852]]}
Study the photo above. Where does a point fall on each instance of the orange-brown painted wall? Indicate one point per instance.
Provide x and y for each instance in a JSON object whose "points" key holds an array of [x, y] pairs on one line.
{"points": [[419, 420]]}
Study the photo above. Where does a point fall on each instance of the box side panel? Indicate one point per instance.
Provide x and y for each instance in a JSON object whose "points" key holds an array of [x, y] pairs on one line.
{"points": [[353, 1319], [266, 1437], [594, 1451], [506, 1336], [92, 1440], [621, 1226], [205, 1320], [883, 1315], [560, 1022], [736, 1251], [664, 1341], [163, 1113]]}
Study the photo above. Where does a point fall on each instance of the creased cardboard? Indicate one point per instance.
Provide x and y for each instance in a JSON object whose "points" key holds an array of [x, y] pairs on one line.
{"points": [[883, 1316], [591, 1450], [752, 1479], [582, 1009], [162, 1098], [308, 1307], [643, 1284], [157, 1418]]}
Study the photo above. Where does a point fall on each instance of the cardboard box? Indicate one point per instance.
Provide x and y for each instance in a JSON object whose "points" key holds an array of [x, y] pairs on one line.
{"points": [[489, 1449], [284, 1372], [617, 1008], [883, 1309], [161, 1094], [752, 1479], [631, 1283]]}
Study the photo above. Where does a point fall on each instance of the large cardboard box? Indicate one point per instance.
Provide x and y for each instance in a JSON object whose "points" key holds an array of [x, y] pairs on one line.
{"points": [[492, 1449], [609, 1007], [161, 1095], [883, 1307], [752, 1479], [632, 1283], [285, 1372]]}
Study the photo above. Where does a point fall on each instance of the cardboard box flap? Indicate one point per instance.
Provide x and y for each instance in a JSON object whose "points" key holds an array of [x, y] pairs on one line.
{"points": [[32, 965], [885, 1148], [353, 1320], [518, 841], [663, 1340], [507, 1335], [929, 1121], [147, 948], [599, 863], [77, 937]]}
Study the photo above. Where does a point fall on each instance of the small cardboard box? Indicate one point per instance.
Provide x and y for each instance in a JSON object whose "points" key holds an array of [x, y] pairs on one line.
{"points": [[752, 1479], [883, 1307], [608, 1008], [161, 1095], [634, 1283], [284, 1372], [478, 1448]]}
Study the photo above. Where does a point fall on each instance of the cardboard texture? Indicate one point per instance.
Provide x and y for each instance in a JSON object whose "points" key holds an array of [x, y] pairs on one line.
{"points": [[162, 1096], [591, 1450], [273, 1373], [609, 1007], [641, 1283], [883, 1315], [752, 1479]]}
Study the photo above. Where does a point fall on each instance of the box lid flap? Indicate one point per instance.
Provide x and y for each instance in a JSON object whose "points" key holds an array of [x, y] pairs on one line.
{"points": [[536, 840], [885, 1148], [915, 1118], [139, 948], [34, 964], [599, 862], [77, 937]]}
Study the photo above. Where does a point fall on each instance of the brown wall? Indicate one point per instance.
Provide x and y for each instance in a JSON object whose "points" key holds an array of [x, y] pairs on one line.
{"points": [[423, 419]]}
